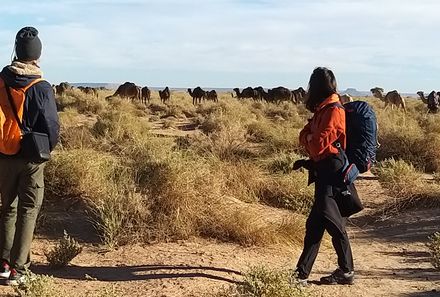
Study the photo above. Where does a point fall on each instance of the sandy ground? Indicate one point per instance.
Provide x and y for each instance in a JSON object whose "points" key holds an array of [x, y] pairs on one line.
{"points": [[390, 257]]}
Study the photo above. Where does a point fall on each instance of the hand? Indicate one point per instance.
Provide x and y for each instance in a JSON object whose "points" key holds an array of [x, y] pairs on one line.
{"points": [[299, 164], [303, 163]]}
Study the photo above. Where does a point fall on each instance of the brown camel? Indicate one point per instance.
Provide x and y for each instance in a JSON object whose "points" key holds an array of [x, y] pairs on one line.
{"points": [[263, 94], [299, 95], [146, 95], [197, 94], [280, 94], [212, 96], [433, 101], [128, 90], [165, 95], [392, 98], [62, 88], [89, 91], [246, 93]]}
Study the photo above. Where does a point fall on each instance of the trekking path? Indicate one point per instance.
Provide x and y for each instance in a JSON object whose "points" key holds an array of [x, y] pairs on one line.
{"points": [[389, 253]]}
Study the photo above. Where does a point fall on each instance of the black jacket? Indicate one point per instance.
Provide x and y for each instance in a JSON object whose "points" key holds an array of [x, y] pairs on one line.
{"points": [[40, 111]]}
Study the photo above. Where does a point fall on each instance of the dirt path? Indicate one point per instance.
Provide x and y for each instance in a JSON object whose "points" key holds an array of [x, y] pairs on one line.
{"points": [[390, 259]]}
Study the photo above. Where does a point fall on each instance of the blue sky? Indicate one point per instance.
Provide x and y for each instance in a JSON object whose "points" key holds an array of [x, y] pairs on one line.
{"points": [[226, 43]]}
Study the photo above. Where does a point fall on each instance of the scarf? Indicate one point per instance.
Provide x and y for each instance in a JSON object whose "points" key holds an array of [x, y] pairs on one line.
{"points": [[25, 69]]}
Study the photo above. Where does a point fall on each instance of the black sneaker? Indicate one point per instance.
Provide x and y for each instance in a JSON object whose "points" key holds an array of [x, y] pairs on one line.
{"points": [[338, 277], [5, 269], [16, 278]]}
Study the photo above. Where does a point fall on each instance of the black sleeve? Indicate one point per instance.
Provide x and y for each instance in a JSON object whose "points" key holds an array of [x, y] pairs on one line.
{"points": [[42, 108]]}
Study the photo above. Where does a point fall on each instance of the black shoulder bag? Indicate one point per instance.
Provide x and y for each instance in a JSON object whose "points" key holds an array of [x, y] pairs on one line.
{"points": [[34, 145]]}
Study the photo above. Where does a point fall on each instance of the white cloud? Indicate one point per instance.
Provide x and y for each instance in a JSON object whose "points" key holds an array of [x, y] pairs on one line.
{"points": [[263, 42]]}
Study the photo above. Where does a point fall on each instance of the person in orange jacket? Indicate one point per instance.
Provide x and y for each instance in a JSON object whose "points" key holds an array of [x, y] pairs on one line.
{"points": [[323, 137]]}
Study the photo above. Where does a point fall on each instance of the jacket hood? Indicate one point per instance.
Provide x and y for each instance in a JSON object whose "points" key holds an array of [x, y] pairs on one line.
{"points": [[19, 75]]}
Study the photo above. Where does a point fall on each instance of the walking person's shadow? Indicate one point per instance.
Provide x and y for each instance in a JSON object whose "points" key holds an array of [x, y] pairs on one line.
{"points": [[140, 272]]}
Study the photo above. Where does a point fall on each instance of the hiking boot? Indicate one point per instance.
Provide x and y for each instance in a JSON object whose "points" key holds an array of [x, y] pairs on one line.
{"points": [[5, 270], [16, 278], [338, 277]]}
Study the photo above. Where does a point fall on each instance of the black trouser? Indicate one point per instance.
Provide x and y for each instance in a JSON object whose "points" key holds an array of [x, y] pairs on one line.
{"points": [[325, 216], [315, 227]]}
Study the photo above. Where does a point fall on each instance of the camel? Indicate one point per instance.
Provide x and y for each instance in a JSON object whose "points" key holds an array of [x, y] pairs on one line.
{"points": [[89, 91], [165, 95], [433, 101], [146, 95], [422, 96], [212, 95], [299, 95], [246, 93], [128, 90], [279, 94], [392, 98], [197, 93], [345, 98], [62, 88], [262, 94]]}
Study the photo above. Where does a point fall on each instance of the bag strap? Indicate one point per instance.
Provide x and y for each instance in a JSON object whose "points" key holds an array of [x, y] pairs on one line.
{"points": [[11, 100], [14, 108]]}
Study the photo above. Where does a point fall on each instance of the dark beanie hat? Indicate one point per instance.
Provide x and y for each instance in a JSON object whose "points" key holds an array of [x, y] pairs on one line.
{"points": [[27, 44]]}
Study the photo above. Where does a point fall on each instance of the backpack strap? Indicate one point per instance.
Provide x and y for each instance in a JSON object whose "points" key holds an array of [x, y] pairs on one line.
{"points": [[32, 83], [14, 108], [11, 100]]}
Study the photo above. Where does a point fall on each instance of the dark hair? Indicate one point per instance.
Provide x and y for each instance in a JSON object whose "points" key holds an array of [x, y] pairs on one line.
{"points": [[322, 84]]}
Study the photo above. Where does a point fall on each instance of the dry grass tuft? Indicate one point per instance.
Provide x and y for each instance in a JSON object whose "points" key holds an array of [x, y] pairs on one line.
{"points": [[406, 185], [261, 282]]}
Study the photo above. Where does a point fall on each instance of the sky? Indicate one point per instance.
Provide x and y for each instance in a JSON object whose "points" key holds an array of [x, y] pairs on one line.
{"points": [[393, 44]]}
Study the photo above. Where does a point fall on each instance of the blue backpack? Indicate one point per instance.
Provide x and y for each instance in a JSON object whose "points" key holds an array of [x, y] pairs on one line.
{"points": [[361, 129]]}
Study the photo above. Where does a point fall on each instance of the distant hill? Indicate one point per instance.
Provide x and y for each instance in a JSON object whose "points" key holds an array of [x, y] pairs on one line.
{"points": [[355, 93]]}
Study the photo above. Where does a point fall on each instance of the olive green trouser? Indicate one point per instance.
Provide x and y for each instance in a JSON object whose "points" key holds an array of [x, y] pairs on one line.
{"points": [[21, 191]]}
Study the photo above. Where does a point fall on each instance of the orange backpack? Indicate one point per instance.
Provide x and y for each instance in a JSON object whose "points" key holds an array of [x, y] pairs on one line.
{"points": [[10, 132]]}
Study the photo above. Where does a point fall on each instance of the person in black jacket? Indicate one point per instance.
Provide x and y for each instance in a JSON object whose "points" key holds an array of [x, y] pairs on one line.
{"points": [[21, 181]]}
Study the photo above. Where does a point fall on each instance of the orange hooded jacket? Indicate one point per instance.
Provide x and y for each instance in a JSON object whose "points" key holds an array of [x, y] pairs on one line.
{"points": [[326, 127]]}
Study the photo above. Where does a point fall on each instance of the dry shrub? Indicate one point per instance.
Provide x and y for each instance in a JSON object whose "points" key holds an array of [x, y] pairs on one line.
{"points": [[252, 224], [262, 282], [274, 137], [77, 138], [84, 103], [288, 191], [406, 185], [64, 252], [227, 142], [434, 249], [106, 185], [400, 137], [138, 187], [122, 122], [249, 183], [411, 136], [38, 286]]}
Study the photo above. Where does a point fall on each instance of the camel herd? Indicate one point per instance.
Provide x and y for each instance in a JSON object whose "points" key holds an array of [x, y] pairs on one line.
{"points": [[433, 100], [276, 95]]}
